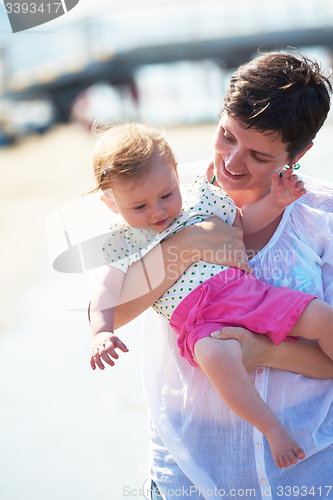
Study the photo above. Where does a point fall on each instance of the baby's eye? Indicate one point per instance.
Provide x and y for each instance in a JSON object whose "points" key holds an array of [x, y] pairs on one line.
{"points": [[166, 196], [140, 207]]}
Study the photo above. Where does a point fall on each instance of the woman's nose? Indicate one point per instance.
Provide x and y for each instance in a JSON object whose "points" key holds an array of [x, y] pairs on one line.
{"points": [[234, 159]]}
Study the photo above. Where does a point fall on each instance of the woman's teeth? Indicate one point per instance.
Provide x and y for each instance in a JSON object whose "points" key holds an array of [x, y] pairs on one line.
{"points": [[232, 173]]}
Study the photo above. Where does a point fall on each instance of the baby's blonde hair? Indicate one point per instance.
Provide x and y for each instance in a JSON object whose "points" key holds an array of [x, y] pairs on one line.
{"points": [[123, 152]]}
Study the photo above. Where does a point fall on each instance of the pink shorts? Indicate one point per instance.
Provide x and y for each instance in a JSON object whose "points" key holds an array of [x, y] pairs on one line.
{"points": [[233, 298]]}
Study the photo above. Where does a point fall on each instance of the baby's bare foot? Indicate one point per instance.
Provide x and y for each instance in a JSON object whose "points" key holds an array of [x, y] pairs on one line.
{"points": [[291, 457], [285, 450]]}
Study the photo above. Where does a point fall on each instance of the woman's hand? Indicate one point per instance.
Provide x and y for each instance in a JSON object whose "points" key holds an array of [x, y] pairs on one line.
{"points": [[304, 357], [256, 348], [218, 243]]}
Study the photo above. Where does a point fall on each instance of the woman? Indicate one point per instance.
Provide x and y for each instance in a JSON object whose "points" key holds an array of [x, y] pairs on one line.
{"points": [[273, 109]]}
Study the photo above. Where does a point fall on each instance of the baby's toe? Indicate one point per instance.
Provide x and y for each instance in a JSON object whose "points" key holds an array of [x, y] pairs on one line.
{"points": [[292, 459], [299, 452], [281, 463]]}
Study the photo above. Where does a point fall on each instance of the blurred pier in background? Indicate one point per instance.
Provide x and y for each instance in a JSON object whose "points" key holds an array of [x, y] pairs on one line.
{"points": [[149, 59]]}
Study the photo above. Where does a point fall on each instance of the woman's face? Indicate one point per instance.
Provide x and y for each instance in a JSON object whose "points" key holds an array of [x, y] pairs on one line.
{"points": [[245, 159]]}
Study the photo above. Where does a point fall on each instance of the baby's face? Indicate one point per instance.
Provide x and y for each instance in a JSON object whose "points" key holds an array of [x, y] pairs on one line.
{"points": [[153, 201]]}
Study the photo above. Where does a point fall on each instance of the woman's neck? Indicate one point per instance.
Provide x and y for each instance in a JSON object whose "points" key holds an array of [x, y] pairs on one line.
{"points": [[254, 242], [241, 198]]}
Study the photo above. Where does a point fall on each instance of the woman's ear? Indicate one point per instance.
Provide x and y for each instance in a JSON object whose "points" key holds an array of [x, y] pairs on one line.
{"points": [[110, 203], [302, 153]]}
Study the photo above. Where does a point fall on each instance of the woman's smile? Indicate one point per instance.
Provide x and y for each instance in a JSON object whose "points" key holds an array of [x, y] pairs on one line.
{"points": [[233, 174]]}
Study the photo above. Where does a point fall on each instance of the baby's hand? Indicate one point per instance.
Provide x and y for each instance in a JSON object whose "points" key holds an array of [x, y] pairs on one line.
{"points": [[286, 189], [104, 345]]}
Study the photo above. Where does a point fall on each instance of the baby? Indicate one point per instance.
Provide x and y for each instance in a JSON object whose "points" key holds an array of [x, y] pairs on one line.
{"points": [[137, 172]]}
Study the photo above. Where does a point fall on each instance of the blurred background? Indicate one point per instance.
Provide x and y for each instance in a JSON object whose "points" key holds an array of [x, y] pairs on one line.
{"points": [[65, 431]]}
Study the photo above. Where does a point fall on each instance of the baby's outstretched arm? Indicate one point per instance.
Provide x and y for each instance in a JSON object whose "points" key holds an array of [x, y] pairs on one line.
{"points": [[284, 191], [102, 310]]}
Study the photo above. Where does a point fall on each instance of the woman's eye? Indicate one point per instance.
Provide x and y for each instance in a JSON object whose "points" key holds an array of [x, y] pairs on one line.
{"points": [[227, 137], [261, 160]]}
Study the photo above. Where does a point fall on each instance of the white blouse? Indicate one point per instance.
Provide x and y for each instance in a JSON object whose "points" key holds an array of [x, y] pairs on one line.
{"points": [[199, 448]]}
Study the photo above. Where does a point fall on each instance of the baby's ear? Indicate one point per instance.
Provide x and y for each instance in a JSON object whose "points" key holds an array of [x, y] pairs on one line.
{"points": [[111, 204]]}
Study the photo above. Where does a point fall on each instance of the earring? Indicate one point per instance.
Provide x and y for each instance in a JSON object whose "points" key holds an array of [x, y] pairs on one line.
{"points": [[294, 166]]}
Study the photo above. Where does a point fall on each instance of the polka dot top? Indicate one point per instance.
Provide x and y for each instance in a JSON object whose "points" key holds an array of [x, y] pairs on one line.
{"points": [[128, 244]]}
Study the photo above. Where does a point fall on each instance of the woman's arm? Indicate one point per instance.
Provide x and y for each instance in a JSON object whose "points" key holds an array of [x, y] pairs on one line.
{"points": [[304, 357], [146, 280]]}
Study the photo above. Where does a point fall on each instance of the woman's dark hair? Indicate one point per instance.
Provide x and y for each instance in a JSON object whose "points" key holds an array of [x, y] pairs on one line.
{"points": [[282, 93]]}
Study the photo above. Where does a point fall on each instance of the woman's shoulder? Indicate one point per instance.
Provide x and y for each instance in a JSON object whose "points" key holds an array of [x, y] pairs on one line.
{"points": [[311, 216], [319, 194]]}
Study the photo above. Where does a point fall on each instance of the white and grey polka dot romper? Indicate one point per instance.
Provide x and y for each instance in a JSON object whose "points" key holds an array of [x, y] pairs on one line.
{"points": [[127, 244]]}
